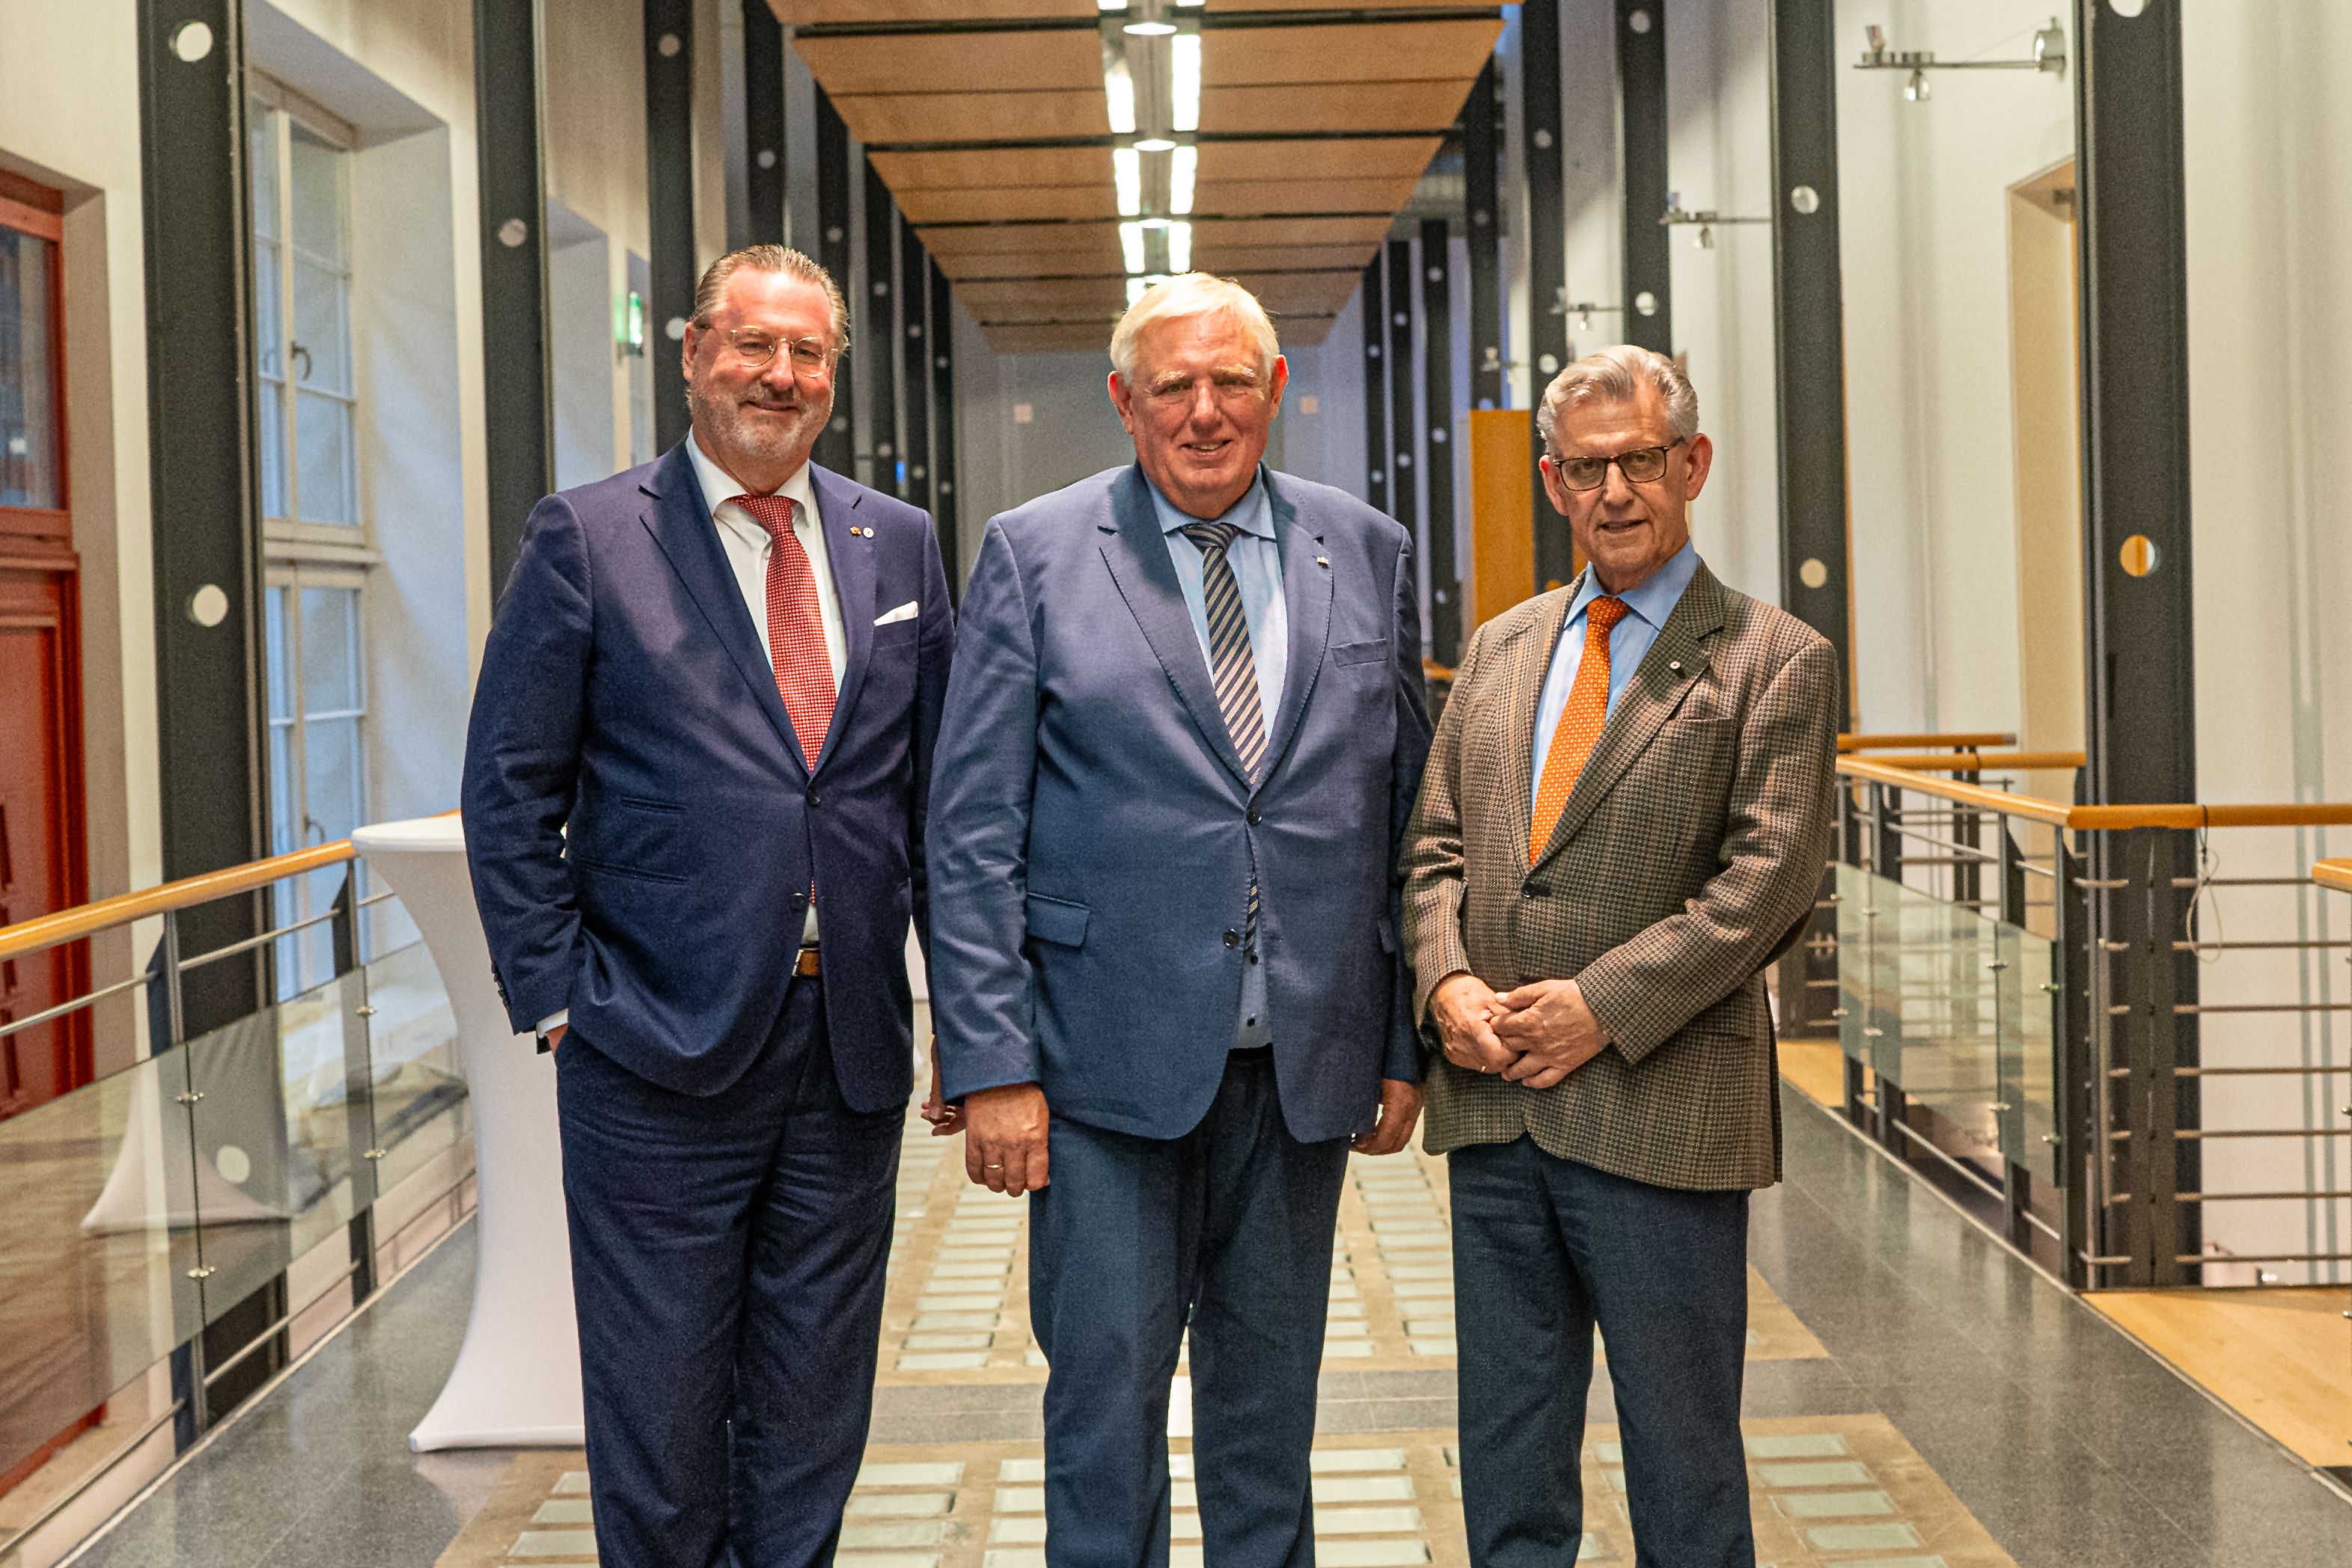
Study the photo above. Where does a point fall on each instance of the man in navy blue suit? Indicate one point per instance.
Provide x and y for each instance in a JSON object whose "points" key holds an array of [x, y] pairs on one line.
{"points": [[1184, 737], [696, 782]]}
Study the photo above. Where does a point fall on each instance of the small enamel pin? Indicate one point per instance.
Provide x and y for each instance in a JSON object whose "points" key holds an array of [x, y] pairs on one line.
{"points": [[1322, 560]]}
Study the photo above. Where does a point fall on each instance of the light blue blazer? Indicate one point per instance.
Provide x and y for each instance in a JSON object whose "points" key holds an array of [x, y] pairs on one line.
{"points": [[1093, 832]]}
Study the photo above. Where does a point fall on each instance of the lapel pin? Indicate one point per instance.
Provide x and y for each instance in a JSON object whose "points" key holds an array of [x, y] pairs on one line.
{"points": [[1676, 665], [1322, 560]]}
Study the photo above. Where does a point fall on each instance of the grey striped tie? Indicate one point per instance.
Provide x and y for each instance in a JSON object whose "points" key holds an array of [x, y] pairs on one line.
{"points": [[1231, 665]]}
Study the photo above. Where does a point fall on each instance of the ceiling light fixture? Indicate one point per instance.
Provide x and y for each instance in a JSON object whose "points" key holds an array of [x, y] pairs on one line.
{"points": [[1151, 86]]}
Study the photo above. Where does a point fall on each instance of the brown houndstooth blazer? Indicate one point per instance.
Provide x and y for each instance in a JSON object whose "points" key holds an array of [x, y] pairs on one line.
{"points": [[1690, 848]]}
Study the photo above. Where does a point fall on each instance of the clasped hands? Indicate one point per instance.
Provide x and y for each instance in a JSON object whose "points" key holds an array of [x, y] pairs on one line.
{"points": [[1535, 1034]]}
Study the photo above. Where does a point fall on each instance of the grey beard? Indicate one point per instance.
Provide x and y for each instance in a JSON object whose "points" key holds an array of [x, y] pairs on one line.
{"points": [[724, 418]]}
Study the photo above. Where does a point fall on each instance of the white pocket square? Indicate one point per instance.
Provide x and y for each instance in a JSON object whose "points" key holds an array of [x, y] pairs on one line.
{"points": [[906, 612]]}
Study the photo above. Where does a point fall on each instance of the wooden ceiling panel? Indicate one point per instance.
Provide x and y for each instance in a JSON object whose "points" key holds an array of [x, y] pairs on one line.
{"points": [[1301, 293], [1043, 299], [1228, 259], [1021, 203], [825, 13], [994, 166], [1210, 232], [1339, 106], [1001, 239], [1372, 158], [1249, 198], [1090, 261], [1343, 52], [881, 119], [1307, 331], [951, 63]]}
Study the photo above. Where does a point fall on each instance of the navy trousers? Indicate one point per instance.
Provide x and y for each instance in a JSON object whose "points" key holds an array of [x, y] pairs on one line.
{"points": [[1227, 1228], [1544, 1248], [727, 1261]]}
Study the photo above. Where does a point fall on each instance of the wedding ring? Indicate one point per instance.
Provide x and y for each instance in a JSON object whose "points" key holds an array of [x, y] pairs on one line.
{"points": [[991, 1168]]}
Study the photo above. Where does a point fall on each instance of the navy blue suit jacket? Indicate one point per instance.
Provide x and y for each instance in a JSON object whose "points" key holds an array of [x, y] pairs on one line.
{"points": [[1096, 832], [625, 696]]}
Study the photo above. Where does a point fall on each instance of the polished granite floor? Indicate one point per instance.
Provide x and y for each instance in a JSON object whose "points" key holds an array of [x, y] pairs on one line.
{"points": [[1915, 1395]]}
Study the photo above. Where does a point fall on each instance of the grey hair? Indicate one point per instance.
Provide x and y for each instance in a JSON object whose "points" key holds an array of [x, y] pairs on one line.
{"points": [[1617, 375], [1193, 294], [712, 289]]}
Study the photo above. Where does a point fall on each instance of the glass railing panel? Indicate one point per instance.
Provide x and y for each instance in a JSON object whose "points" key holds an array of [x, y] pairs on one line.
{"points": [[96, 1248], [418, 1080], [280, 1134], [2030, 1022], [1858, 1031], [1947, 1005]]}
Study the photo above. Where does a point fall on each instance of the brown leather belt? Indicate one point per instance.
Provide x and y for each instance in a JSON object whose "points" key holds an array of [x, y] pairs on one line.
{"points": [[808, 965]]}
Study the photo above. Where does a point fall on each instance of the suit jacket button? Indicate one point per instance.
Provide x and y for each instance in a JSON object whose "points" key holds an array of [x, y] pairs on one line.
{"points": [[1254, 818], [1233, 938], [811, 796]]}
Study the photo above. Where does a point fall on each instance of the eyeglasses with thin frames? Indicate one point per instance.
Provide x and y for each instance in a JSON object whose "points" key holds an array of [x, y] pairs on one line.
{"points": [[1642, 465], [757, 350]]}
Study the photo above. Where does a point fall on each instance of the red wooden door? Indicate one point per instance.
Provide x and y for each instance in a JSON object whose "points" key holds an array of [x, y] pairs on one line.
{"points": [[43, 856]]}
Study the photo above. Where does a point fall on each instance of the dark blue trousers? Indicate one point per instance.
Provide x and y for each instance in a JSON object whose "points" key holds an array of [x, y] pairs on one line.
{"points": [[1228, 1228], [727, 1263], [1544, 1248]]}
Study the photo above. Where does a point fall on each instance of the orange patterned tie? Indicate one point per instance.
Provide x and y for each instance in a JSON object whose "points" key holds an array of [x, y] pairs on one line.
{"points": [[1579, 724]]}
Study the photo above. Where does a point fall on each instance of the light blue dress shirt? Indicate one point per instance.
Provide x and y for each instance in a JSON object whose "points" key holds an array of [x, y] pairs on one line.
{"points": [[1255, 556], [1629, 643]]}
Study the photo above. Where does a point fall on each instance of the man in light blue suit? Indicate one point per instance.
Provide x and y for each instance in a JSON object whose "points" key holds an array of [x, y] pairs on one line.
{"points": [[1184, 735]]}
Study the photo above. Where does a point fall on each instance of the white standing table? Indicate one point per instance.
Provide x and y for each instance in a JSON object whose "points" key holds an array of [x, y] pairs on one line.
{"points": [[517, 1380]]}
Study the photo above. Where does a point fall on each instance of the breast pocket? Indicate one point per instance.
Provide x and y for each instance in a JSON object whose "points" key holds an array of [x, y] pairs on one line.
{"points": [[1360, 653]]}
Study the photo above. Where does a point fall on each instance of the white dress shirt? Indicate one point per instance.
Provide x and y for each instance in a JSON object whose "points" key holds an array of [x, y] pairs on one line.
{"points": [[748, 548]]}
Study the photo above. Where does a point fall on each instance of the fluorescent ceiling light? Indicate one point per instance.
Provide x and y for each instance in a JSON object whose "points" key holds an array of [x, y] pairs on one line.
{"points": [[1153, 224], [1150, 29], [1155, 144], [1179, 248], [1130, 244], [1127, 172], [1184, 62], [1181, 169], [1135, 287], [1111, 4], [1118, 91]]}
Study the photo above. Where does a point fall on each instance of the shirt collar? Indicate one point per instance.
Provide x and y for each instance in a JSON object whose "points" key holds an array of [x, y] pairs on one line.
{"points": [[1656, 599], [719, 488], [1253, 514]]}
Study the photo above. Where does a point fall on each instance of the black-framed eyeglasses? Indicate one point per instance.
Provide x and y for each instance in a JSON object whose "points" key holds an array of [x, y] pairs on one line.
{"points": [[1642, 465], [757, 350]]}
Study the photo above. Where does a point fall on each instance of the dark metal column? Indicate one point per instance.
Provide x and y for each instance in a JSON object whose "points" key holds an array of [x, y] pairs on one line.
{"points": [[2141, 735], [880, 333], [1641, 139], [669, 180], [835, 449], [201, 456], [1482, 202], [1376, 410], [943, 428], [517, 445], [763, 122], [1438, 410], [1546, 347], [1405, 447], [914, 342], [1808, 337]]}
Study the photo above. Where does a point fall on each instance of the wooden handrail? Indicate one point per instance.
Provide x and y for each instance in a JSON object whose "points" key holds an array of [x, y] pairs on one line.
{"points": [[1979, 761], [2336, 874], [2102, 819], [88, 919], [2007, 804], [1920, 742]]}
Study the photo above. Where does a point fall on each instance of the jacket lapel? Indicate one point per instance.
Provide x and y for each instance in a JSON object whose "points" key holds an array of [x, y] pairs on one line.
{"points": [[1136, 554], [1526, 654], [1307, 592], [680, 524], [1672, 666], [852, 559]]}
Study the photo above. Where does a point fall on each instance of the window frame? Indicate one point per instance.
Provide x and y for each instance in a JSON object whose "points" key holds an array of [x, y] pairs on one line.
{"points": [[288, 537], [27, 208], [293, 899]]}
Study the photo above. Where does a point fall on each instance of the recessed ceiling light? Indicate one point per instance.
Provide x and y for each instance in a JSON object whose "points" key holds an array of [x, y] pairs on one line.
{"points": [[1155, 144], [1150, 29]]}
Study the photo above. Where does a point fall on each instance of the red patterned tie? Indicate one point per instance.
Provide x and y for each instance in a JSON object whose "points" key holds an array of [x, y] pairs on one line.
{"points": [[796, 626]]}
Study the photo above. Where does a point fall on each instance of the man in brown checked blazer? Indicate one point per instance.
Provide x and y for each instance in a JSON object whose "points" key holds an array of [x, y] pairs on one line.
{"points": [[1623, 818]]}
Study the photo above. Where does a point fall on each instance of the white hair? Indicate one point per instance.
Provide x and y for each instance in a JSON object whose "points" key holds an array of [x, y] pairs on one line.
{"points": [[1193, 294], [1617, 375]]}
